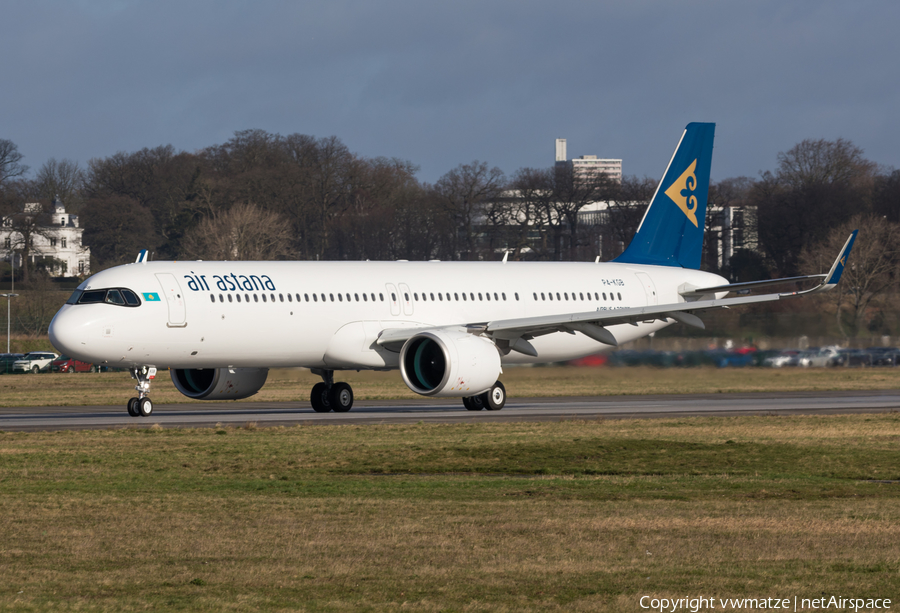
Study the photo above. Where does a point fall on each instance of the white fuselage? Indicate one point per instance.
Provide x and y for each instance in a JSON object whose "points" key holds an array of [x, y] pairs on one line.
{"points": [[330, 314]]}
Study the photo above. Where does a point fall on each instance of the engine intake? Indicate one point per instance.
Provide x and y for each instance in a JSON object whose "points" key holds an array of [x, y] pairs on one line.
{"points": [[449, 364], [219, 383]]}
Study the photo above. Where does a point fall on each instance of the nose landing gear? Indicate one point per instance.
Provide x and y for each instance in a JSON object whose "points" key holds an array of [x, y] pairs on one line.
{"points": [[328, 395], [142, 406]]}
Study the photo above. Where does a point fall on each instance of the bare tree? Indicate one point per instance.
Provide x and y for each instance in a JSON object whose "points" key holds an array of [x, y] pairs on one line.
{"points": [[463, 193], [818, 185], [10, 168], [63, 180], [871, 271], [244, 232]]}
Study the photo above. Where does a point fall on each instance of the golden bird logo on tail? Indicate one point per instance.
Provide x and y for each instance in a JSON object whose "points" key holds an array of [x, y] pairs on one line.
{"points": [[682, 193]]}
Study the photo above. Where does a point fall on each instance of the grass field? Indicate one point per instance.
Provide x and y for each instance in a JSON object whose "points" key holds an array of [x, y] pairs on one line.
{"points": [[294, 385], [569, 516]]}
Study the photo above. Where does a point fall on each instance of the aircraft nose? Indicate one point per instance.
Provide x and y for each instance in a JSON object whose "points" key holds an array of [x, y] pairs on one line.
{"points": [[67, 333]]}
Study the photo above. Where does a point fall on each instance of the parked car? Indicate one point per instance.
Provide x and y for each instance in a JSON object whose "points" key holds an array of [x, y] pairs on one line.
{"points": [[818, 357], [7, 359], [782, 358], [66, 364], [36, 361], [884, 356], [853, 357]]}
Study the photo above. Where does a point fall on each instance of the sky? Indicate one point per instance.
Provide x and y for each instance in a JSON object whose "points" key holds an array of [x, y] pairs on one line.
{"points": [[445, 83]]}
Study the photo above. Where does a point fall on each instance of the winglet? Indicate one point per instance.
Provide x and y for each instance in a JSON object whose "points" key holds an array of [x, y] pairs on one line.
{"points": [[834, 275], [837, 269]]}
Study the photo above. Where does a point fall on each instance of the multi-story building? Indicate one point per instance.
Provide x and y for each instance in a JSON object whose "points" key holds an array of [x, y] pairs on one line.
{"points": [[588, 164], [54, 240]]}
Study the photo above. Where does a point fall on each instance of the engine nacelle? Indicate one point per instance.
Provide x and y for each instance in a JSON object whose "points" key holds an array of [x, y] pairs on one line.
{"points": [[449, 364], [219, 383]]}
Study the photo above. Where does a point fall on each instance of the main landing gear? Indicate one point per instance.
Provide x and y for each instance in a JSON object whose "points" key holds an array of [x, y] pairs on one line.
{"points": [[493, 400], [330, 396], [142, 406]]}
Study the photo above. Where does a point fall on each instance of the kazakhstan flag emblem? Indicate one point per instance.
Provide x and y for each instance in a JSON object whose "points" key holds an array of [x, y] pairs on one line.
{"points": [[151, 297]]}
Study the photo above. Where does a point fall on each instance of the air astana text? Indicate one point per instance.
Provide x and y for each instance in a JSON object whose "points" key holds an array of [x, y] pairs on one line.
{"points": [[230, 283]]}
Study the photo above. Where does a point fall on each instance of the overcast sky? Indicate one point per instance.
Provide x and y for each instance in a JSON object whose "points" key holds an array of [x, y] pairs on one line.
{"points": [[446, 83]]}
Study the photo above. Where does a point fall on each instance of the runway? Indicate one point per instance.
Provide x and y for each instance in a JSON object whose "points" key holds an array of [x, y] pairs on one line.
{"points": [[452, 411]]}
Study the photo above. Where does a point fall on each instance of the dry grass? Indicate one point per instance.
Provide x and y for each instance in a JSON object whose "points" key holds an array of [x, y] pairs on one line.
{"points": [[293, 385], [572, 516]]}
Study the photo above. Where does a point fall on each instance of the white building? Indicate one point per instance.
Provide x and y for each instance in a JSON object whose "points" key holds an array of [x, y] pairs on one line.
{"points": [[589, 164], [57, 241]]}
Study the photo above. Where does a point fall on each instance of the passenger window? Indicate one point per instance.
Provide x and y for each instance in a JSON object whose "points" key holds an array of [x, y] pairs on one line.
{"points": [[557, 296], [340, 298], [495, 296], [273, 297], [479, 295], [580, 295], [365, 298], [550, 294], [212, 298], [456, 296], [348, 297], [488, 296], [113, 296], [566, 294], [264, 297], [534, 293], [230, 299], [406, 296], [440, 297], [542, 296], [291, 298], [332, 297], [620, 296], [238, 296], [597, 296], [373, 296], [356, 296], [472, 296], [255, 298], [280, 298], [381, 296], [315, 298], [503, 295], [464, 296]]}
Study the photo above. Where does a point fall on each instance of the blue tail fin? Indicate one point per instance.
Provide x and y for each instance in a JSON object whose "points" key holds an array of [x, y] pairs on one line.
{"points": [[671, 233]]}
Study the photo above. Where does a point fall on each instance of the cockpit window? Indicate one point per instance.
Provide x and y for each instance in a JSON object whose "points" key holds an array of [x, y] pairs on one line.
{"points": [[118, 297], [131, 298], [92, 296]]}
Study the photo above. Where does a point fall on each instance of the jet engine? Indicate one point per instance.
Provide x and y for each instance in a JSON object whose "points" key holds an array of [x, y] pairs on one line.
{"points": [[219, 383], [449, 363]]}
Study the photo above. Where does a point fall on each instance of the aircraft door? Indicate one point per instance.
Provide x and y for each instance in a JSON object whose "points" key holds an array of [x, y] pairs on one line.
{"points": [[406, 298], [174, 299], [649, 287], [394, 297]]}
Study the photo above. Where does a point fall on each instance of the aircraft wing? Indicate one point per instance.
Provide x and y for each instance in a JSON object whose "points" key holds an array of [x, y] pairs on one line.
{"points": [[514, 334]]}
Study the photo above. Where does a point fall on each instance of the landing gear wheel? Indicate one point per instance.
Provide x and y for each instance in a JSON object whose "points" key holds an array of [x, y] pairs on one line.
{"points": [[476, 403], [495, 398], [144, 407], [132, 407], [319, 399], [341, 397]]}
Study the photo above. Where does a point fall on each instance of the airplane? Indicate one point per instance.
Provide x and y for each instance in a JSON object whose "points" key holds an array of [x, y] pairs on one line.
{"points": [[449, 327]]}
